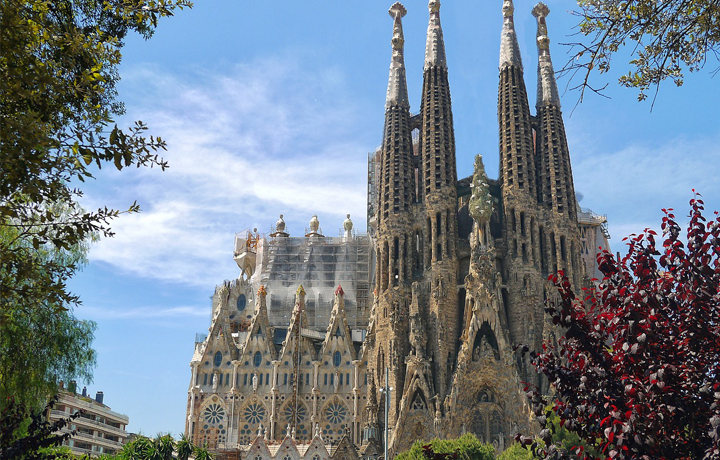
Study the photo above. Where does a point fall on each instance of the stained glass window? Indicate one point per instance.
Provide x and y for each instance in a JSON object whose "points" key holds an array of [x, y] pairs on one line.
{"points": [[336, 413], [254, 413], [214, 414]]}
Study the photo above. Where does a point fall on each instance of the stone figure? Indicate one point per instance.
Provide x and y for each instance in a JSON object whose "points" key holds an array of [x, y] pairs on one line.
{"points": [[485, 348], [476, 353], [280, 224], [314, 224], [336, 382], [438, 423], [417, 336], [439, 291], [255, 382], [348, 224], [215, 382]]}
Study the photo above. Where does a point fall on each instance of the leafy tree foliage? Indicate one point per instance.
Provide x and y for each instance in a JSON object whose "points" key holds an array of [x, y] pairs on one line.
{"points": [[31, 437], [42, 346], [515, 452], [668, 38], [58, 70], [636, 375], [184, 448], [161, 448], [466, 447]]}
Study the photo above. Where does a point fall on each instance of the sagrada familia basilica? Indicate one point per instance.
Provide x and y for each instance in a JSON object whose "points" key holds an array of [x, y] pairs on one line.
{"points": [[323, 346]]}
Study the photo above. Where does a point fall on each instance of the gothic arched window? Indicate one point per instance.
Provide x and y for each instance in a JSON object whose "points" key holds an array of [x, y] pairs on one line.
{"points": [[257, 359], [337, 359], [218, 359]]}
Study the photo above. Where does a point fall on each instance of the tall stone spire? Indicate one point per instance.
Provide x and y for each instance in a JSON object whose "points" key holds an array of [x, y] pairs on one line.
{"points": [[435, 45], [555, 181], [438, 190], [521, 218], [517, 166], [395, 218], [509, 49], [397, 93], [547, 86]]}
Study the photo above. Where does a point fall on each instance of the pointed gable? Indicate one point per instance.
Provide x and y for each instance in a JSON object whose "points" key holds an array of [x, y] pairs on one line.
{"points": [[345, 450], [288, 449], [316, 450], [259, 337], [298, 322], [337, 336], [258, 448]]}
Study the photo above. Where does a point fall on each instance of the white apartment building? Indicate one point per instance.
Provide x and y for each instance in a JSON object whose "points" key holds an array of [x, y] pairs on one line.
{"points": [[99, 430]]}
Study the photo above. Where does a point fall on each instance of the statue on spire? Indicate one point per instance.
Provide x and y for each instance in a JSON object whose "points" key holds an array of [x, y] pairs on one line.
{"points": [[397, 85], [509, 49], [547, 86], [435, 45]]}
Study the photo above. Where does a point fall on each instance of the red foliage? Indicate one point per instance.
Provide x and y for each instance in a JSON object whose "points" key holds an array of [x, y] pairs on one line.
{"points": [[637, 374]]}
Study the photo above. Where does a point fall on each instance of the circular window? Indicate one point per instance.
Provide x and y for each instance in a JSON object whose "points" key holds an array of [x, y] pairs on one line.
{"points": [[301, 413], [336, 413], [241, 302], [214, 413], [254, 414]]}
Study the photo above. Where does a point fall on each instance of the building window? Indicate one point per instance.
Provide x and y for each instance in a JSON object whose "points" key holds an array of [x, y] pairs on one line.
{"points": [[241, 302], [257, 359], [337, 358], [218, 359], [214, 414]]}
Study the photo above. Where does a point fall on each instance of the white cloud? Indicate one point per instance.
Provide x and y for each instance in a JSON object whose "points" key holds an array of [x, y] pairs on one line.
{"points": [[632, 184], [243, 148]]}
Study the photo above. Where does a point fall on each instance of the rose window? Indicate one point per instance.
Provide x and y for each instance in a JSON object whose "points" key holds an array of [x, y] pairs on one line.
{"points": [[301, 413], [214, 414], [254, 413], [336, 413]]}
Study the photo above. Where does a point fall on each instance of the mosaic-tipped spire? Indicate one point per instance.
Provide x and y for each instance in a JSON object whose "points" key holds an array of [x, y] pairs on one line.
{"points": [[397, 93], [547, 86], [435, 45], [509, 49]]}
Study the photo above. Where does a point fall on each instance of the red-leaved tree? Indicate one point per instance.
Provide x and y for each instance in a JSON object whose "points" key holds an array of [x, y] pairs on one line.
{"points": [[637, 373]]}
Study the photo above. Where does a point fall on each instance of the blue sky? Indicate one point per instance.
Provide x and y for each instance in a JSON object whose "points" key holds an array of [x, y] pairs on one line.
{"points": [[271, 107]]}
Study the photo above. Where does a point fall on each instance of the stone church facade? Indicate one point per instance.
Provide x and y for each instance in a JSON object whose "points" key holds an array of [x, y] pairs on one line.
{"points": [[451, 275]]}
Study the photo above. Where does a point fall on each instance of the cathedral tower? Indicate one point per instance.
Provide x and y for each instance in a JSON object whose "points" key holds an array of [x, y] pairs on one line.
{"points": [[556, 192], [439, 191], [395, 220], [521, 227]]}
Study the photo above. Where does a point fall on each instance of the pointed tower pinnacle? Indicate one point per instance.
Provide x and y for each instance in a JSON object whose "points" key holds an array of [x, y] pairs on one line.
{"points": [[547, 87], [509, 49], [435, 45], [397, 93]]}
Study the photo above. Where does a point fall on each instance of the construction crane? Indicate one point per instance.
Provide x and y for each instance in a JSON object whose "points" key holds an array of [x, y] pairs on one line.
{"points": [[296, 363]]}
